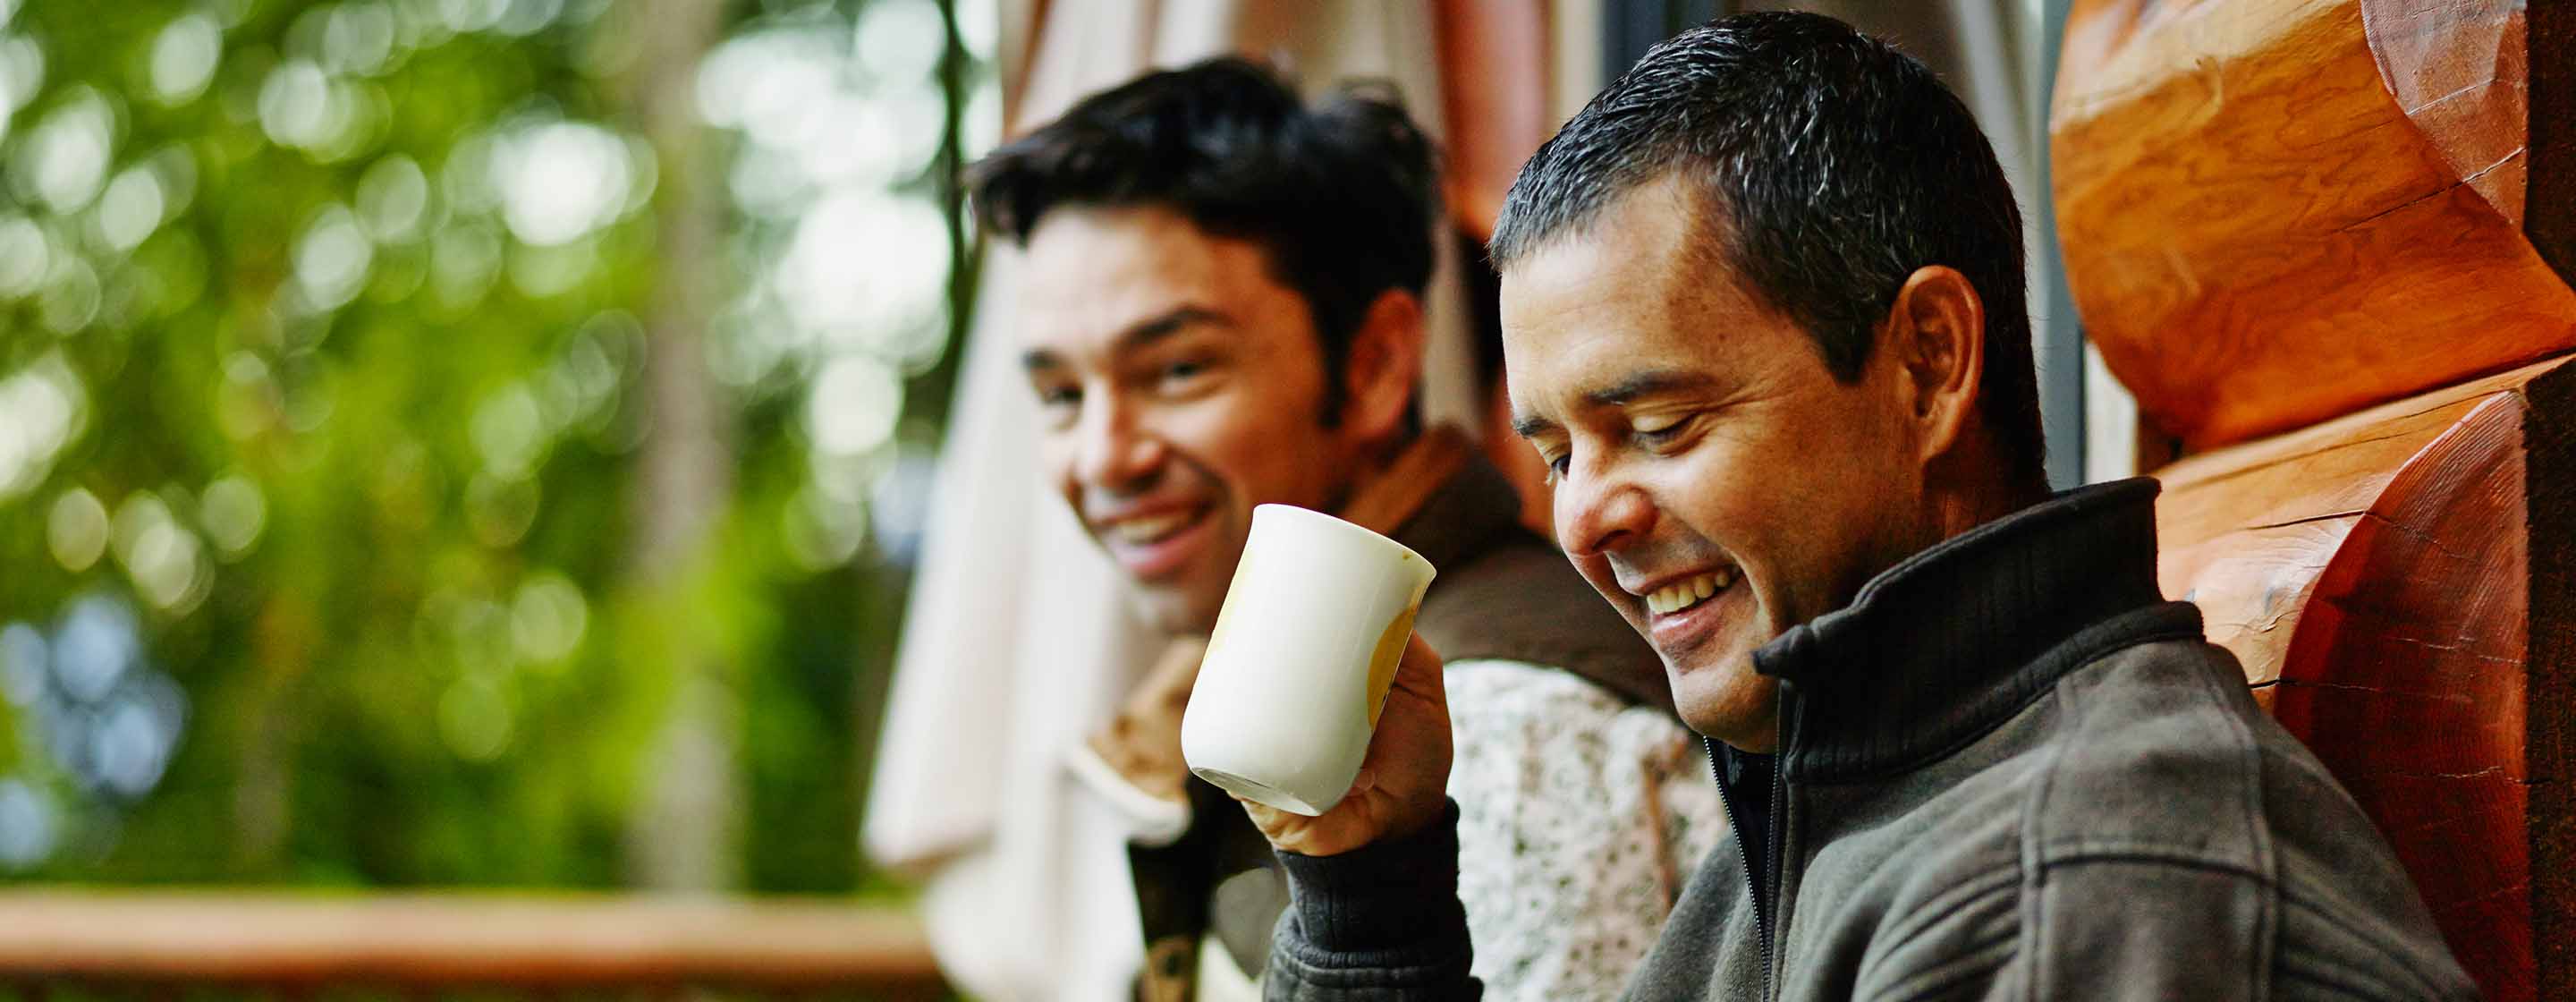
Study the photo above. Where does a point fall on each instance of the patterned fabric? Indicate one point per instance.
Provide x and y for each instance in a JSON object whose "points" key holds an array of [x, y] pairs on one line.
{"points": [[1579, 818]]}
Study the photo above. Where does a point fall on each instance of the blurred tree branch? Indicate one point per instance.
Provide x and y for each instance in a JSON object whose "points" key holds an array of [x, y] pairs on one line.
{"points": [[687, 816]]}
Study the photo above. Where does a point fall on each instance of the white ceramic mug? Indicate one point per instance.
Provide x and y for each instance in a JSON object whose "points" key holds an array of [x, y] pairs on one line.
{"points": [[1301, 659]]}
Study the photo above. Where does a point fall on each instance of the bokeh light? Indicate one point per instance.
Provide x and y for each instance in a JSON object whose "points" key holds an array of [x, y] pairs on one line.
{"points": [[42, 409], [76, 530], [184, 58], [234, 513], [561, 180], [92, 709], [64, 159], [332, 258], [352, 352]]}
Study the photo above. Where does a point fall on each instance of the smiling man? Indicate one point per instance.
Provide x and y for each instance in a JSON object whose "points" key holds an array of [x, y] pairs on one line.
{"points": [[1220, 307], [1762, 308]]}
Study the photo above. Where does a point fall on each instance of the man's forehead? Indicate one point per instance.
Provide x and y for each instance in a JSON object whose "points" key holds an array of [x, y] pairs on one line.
{"points": [[1089, 275], [1613, 351], [1656, 244], [1579, 314], [1548, 374], [1075, 245], [1611, 311]]}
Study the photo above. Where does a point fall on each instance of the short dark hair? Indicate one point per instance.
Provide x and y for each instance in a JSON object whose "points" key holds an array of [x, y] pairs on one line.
{"points": [[1341, 196], [1830, 167]]}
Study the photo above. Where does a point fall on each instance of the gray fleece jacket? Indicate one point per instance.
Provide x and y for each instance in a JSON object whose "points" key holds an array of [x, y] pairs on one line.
{"points": [[2009, 770]]}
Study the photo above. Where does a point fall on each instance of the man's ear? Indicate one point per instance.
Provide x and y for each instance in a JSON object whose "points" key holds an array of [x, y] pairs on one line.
{"points": [[1383, 368], [1936, 335]]}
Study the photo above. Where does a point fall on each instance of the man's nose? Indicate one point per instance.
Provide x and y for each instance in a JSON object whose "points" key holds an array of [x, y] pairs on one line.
{"points": [[1117, 451], [1598, 512]]}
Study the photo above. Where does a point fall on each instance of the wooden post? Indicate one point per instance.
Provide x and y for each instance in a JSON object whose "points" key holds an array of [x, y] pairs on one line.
{"points": [[2278, 211], [2349, 225], [2398, 585]]}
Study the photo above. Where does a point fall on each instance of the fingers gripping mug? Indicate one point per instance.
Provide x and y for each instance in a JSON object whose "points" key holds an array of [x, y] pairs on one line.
{"points": [[1303, 653]]}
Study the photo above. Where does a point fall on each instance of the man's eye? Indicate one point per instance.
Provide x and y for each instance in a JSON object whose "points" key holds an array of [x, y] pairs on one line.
{"points": [[1053, 397], [1184, 371], [1657, 428]]}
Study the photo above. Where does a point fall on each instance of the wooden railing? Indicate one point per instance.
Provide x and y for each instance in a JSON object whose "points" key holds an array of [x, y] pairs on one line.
{"points": [[541, 944]]}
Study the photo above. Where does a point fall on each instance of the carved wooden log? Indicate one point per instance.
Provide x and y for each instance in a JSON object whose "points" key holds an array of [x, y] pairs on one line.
{"points": [[2277, 211], [2401, 587]]}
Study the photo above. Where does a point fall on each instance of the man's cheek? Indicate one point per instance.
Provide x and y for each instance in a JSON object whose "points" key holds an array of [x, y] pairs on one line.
{"points": [[1596, 572]]}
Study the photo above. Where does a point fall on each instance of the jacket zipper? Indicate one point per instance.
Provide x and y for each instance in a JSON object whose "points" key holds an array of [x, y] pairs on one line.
{"points": [[1752, 880], [1776, 840]]}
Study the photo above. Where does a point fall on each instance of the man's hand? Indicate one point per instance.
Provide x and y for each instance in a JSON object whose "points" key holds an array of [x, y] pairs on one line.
{"points": [[1143, 741], [1403, 783]]}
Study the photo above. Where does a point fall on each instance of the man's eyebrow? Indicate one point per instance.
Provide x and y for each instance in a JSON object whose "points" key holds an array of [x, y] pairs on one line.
{"points": [[1650, 383], [1166, 324], [1137, 335]]}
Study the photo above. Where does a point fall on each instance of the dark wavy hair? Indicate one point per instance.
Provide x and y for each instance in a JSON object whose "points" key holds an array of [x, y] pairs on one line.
{"points": [[1830, 167], [1340, 196]]}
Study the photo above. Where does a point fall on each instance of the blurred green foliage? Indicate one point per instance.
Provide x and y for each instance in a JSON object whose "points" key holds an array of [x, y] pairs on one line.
{"points": [[325, 360]]}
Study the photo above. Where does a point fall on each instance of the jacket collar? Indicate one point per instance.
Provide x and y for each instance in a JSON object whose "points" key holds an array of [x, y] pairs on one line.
{"points": [[1942, 648]]}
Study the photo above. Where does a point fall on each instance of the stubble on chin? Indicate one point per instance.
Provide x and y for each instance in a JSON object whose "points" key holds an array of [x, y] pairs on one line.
{"points": [[1726, 698]]}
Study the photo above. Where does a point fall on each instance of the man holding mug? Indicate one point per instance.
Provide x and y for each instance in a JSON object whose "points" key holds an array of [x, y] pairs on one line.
{"points": [[1220, 307], [1763, 319]]}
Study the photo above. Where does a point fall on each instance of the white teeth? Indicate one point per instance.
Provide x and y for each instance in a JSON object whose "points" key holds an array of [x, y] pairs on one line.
{"points": [[1684, 594], [1147, 530]]}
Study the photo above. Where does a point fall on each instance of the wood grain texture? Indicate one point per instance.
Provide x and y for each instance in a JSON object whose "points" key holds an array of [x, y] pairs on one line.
{"points": [[2459, 68], [416, 941], [2261, 234], [2245, 531], [2380, 576], [2407, 676]]}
